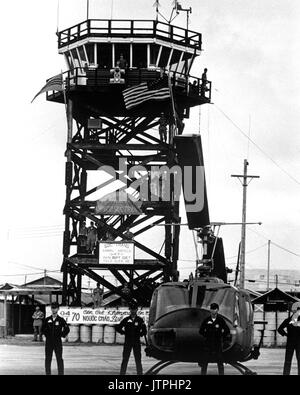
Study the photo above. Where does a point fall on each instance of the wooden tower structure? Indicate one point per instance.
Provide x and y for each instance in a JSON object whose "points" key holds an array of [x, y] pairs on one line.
{"points": [[104, 58]]}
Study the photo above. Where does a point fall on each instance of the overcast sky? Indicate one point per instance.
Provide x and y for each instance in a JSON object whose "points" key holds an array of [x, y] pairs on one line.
{"points": [[251, 50]]}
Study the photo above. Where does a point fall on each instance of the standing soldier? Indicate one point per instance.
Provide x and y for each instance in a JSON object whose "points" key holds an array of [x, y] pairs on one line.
{"points": [[215, 330], [91, 238], [98, 296], [122, 62], [162, 128], [83, 231], [126, 292], [203, 82], [54, 328], [292, 326], [38, 317], [133, 327]]}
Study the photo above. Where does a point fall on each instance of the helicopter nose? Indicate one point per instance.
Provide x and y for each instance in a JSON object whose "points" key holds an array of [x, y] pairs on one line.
{"points": [[179, 330]]}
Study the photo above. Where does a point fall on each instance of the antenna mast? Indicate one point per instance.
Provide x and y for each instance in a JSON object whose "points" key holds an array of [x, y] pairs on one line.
{"points": [[177, 8], [87, 8], [156, 8]]}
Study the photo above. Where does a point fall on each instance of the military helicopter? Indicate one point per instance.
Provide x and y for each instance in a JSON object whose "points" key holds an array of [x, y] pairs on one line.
{"points": [[177, 309]]}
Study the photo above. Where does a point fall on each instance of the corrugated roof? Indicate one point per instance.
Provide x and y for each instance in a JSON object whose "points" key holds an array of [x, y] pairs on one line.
{"points": [[273, 296], [47, 280]]}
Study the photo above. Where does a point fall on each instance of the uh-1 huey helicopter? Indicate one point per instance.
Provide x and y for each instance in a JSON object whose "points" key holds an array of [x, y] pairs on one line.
{"points": [[177, 309]]}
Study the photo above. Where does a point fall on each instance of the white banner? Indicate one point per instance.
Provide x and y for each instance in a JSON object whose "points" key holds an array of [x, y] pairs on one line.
{"points": [[89, 316], [116, 253]]}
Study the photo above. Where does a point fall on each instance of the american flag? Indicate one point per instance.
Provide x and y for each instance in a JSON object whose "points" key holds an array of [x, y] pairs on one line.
{"points": [[138, 94], [53, 84]]}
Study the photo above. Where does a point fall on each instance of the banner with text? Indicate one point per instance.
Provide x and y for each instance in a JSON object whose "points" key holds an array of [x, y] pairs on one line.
{"points": [[88, 316], [116, 252]]}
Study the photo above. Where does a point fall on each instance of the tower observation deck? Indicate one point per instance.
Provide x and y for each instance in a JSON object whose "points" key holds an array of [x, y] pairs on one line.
{"points": [[108, 133]]}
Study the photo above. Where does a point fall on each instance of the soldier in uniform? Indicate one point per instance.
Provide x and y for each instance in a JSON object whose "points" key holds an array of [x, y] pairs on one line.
{"points": [[290, 328], [215, 330], [38, 317], [204, 82], [122, 62], [98, 296], [83, 232], [91, 238], [162, 128], [54, 328], [133, 327]]}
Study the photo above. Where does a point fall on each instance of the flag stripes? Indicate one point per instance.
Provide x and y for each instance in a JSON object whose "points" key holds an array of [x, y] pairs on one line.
{"points": [[53, 84], [138, 94]]}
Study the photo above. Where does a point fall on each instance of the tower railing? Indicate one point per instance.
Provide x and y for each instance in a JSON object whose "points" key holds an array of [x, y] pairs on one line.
{"points": [[129, 28], [80, 77]]}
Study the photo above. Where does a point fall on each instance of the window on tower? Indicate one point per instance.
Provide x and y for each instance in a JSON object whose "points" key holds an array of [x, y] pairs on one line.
{"points": [[90, 50], [139, 55], [164, 57], [82, 55], [75, 58], [175, 58], [154, 50], [104, 56]]}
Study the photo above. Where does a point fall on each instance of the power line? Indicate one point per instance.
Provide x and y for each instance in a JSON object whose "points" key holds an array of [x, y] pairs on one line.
{"points": [[277, 245], [20, 264], [230, 257], [35, 232], [38, 236], [36, 228], [28, 274], [259, 234], [248, 252], [285, 249], [258, 147]]}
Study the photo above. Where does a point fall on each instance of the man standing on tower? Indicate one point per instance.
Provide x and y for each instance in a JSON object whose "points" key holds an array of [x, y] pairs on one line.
{"points": [[98, 296], [204, 82], [91, 238], [54, 328]]}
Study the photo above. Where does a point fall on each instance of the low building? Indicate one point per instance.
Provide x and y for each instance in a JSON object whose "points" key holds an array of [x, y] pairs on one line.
{"points": [[273, 307], [17, 303]]}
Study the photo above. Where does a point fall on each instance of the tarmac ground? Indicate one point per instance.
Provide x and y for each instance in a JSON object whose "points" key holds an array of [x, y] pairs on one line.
{"points": [[24, 357]]}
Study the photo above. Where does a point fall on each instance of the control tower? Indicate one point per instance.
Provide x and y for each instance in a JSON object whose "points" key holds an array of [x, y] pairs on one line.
{"points": [[127, 92]]}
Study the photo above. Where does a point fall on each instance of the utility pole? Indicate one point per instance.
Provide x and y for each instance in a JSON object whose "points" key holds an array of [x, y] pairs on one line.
{"points": [[244, 180], [268, 271]]}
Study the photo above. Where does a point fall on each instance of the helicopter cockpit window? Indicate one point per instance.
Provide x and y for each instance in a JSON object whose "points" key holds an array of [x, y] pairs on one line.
{"points": [[225, 299], [249, 310], [170, 299], [245, 310], [152, 310]]}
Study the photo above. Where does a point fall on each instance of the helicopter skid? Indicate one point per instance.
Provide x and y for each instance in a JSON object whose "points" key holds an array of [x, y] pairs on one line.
{"points": [[243, 369], [164, 364]]}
